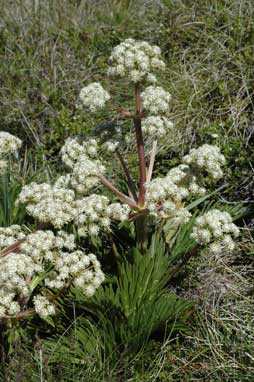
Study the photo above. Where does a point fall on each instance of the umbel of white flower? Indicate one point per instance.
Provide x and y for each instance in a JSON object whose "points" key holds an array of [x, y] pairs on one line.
{"points": [[166, 197], [156, 127], [74, 148], [215, 228], [208, 158], [135, 60], [156, 100], [34, 254], [10, 235], [8, 145], [93, 96]]}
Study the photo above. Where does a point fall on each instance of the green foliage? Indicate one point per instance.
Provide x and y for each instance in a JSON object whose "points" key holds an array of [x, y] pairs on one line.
{"points": [[9, 213], [126, 312], [19, 173]]}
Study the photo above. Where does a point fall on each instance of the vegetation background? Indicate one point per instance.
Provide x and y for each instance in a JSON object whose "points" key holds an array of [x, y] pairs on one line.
{"points": [[51, 48]]}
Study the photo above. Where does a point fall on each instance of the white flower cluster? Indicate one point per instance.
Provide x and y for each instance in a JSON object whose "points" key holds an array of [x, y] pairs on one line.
{"points": [[8, 145], [208, 158], [81, 157], [183, 175], [84, 270], [43, 306], [160, 189], [10, 235], [32, 257], [215, 227], [163, 199], [93, 96], [45, 245], [111, 145], [155, 100], [59, 205], [73, 149], [85, 174], [7, 305], [165, 196], [118, 211], [48, 204], [94, 213], [63, 182], [156, 127], [15, 268], [135, 60], [91, 214]]}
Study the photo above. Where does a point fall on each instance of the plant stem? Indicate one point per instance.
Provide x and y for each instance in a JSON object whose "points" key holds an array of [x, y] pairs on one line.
{"points": [[128, 176], [118, 193], [141, 232], [152, 159], [140, 146], [11, 249]]}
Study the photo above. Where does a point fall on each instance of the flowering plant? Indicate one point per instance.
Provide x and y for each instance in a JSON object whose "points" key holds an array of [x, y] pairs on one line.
{"points": [[78, 197]]}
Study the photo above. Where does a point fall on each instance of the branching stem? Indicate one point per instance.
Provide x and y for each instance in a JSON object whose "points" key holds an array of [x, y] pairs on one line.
{"points": [[123, 197], [128, 176]]}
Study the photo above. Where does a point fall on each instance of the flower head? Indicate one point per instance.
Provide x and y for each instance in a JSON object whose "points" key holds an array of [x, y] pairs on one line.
{"points": [[215, 227], [208, 158], [155, 100], [135, 60], [93, 97]]}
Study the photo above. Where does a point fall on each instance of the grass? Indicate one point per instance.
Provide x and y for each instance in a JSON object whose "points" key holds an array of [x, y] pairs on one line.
{"points": [[49, 49]]}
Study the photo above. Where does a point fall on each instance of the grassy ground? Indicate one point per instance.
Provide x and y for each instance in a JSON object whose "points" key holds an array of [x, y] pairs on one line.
{"points": [[49, 49]]}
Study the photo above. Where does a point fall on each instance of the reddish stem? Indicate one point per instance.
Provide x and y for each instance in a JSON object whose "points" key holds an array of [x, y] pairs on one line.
{"points": [[128, 176], [124, 198], [140, 146], [12, 248]]}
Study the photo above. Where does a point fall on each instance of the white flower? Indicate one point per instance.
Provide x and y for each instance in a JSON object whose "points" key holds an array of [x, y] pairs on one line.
{"points": [[135, 60], [156, 127], [111, 145], [93, 96], [89, 291], [118, 211], [49, 204], [74, 148], [215, 227], [37, 253], [91, 212], [207, 158], [8, 143], [43, 307], [84, 176], [156, 100], [10, 235]]}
